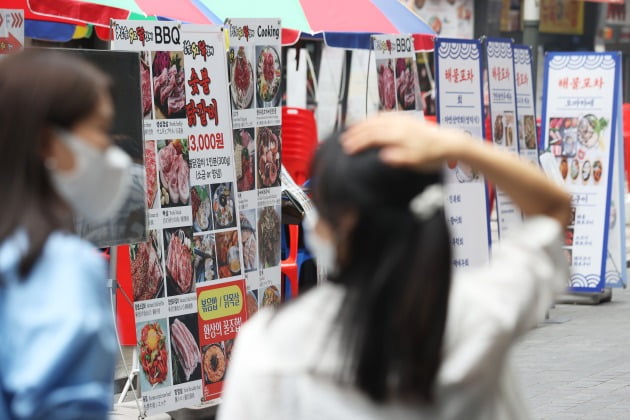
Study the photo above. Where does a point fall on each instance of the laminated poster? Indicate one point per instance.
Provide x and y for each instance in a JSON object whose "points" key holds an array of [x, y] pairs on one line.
{"points": [[397, 73], [503, 117], [255, 71], [193, 225], [459, 105], [525, 103], [581, 125]]}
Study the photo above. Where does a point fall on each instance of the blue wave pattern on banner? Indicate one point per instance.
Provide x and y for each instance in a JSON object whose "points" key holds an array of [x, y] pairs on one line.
{"points": [[585, 281], [499, 49], [577, 62], [613, 279], [522, 56], [464, 51]]}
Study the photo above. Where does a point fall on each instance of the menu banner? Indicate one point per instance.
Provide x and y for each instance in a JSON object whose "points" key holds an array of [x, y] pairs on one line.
{"points": [[397, 73], [459, 104], [525, 103], [222, 311], [503, 116], [580, 125], [194, 236], [255, 72]]}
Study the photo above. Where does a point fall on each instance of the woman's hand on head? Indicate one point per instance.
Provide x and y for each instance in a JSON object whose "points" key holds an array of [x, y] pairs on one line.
{"points": [[404, 140]]}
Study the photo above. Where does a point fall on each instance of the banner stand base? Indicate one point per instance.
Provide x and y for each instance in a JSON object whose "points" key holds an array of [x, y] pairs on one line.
{"points": [[585, 298]]}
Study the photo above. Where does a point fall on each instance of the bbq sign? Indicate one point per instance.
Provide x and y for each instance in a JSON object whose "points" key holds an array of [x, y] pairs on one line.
{"points": [[166, 33], [397, 72]]}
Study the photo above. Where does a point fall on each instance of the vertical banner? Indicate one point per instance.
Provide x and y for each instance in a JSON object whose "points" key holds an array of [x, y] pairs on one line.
{"points": [[503, 118], [222, 311], [459, 105], [255, 70], [580, 127], [11, 30], [397, 73], [192, 220], [525, 103], [217, 249]]}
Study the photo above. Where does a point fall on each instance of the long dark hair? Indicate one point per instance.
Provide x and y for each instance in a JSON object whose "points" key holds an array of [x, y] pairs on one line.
{"points": [[396, 270], [40, 90]]}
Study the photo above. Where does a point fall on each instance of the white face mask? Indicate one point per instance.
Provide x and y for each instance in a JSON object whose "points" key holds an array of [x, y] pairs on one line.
{"points": [[100, 181], [323, 250]]}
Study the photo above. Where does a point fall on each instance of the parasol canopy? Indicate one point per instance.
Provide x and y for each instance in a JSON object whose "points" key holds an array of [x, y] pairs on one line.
{"points": [[341, 23]]}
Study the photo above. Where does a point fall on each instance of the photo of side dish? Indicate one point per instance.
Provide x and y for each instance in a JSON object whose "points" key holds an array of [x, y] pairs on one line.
{"points": [[271, 297], [564, 168], [597, 171], [586, 170]]}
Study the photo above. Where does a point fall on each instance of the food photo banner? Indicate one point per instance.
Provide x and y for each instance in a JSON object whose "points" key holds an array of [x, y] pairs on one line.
{"points": [[459, 105], [194, 238], [525, 103], [397, 73], [580, 120], [503, 116], [255, 70]]}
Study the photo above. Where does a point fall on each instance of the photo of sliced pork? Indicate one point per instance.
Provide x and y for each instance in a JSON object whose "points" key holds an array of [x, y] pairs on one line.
{"points": [[150, 166], [146, 270], [174, 174], [185, 347], [179, 265], [386, 85], [169, 84]]}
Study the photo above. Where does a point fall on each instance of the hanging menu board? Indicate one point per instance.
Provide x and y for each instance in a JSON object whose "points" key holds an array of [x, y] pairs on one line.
{"points": [[580, 127], [255, 71], [397, 73], [194, 237], [503, 117], [459, 105], [525, 103]]}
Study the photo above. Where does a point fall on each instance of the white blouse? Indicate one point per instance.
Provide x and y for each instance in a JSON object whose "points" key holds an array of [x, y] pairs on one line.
{"points": [[286, 366]]}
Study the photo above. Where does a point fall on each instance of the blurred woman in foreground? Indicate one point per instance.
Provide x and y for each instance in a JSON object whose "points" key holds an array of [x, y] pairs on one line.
{"points": [[391, 336], [58, 344]]}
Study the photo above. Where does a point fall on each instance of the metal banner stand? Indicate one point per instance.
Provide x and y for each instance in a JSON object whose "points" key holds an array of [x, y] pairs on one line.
{"points": [[114, 286]]}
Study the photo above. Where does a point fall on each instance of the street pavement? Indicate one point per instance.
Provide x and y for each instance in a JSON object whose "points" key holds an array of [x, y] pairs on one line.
{"points": [[574, 366]]}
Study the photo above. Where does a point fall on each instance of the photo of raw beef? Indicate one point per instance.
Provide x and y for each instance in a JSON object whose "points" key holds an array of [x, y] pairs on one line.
{"points": [[168, 84], [146, 269], [151, 172], [145, 77], [179, 267], [185, 349], [406, 80], [174, 172], [386, 84]]}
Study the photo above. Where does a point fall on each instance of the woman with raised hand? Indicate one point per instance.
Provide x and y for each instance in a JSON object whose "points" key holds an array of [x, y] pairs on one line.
{"points": [[395, 334]]}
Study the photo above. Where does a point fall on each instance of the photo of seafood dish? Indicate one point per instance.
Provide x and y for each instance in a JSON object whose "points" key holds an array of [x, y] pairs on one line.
{"points": [[575, 169], [269, 226], [205, 264], [153, 354], [269, 72], [597, 171], [271, 297], [174, 172], [248, 238], [588, 129], [529, 132], [223, 205], [564, 168], [145, 79], [586, 170], [201, 208], [241, 78], [268, 145], [150, 167], [407, 83], [386, 85], [244, 159], [214, 363], [508, 120], [179, 263], [252, 303], [562, 136], [498, 129], [186, 353], [146, 269], [168, 84], [228, 254], [569, 142], [465, 173]]}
